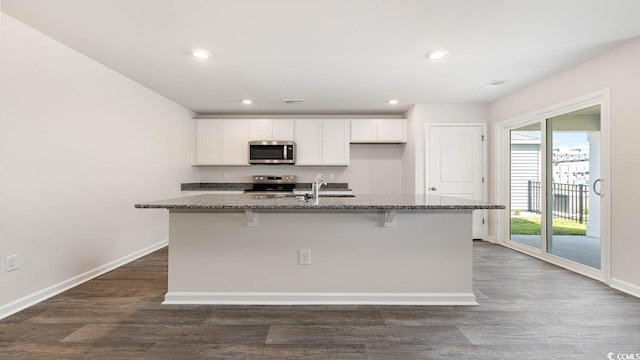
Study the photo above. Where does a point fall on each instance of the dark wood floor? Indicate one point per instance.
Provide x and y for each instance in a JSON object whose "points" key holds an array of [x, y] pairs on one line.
{"points": [[528, 310]]}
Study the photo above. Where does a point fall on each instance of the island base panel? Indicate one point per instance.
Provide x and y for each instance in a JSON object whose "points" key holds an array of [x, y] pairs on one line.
{"points": [[425, 258]]}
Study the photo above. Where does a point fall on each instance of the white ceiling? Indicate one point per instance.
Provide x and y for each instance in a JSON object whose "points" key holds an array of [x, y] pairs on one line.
{"points": [[341, 56]]}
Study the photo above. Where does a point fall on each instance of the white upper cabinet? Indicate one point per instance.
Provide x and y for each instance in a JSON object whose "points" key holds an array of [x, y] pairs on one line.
{"points": [[260, 129], [208, 142], [308, 138], [235, 142], [271, 129], [222, 142], [335, 142], [318, 142], [364, 130], [322, 142], [392, 130], [379, 131], [283, 130]]}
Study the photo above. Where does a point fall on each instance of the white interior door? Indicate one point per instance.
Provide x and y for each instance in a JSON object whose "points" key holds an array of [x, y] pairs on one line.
{"points": [[456, 166]]}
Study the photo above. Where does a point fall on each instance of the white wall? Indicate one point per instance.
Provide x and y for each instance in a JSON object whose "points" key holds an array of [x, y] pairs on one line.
{"points": [[79, 145], [619, 70], [365, 160], [417, 117]]}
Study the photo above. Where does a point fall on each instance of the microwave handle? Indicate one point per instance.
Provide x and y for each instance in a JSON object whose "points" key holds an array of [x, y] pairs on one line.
{"points": [[285, 152]]}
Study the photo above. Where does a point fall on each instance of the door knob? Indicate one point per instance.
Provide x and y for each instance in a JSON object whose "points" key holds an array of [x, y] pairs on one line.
{"points": [[433, 188]]}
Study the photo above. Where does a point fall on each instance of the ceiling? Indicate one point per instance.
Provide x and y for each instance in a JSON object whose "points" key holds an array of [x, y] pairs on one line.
{"points": [[340, 56]]}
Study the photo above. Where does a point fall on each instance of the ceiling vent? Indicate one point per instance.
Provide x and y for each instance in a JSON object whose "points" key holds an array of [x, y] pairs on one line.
{"points": [[496, 83], [293, 101]]}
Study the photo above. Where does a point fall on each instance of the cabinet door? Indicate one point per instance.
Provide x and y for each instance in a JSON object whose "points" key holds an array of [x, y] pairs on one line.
{"points": [[260, 129], [363, 130], [335, 142], [391, 130], [283, 130], [208, 142], [235, 142], [308, 142]]}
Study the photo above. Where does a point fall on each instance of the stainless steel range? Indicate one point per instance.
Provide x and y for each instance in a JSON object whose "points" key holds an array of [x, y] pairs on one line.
{"points": [[273, 185]]}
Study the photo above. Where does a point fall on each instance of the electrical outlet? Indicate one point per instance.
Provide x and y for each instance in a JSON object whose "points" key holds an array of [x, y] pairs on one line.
{"points": [[225, 175], [331, 176], [376, 175], [11, 263], [304, 257]]}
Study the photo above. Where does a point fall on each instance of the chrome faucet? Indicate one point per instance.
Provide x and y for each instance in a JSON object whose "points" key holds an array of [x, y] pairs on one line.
{"points": [[315, 186]]}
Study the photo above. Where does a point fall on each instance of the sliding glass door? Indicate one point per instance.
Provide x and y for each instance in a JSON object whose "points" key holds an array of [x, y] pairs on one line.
{"points": [[554, 186], [572, 180]]}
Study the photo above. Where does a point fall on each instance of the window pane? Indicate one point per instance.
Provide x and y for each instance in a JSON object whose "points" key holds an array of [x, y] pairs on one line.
{"points": [[526, 201], [574, 154]]}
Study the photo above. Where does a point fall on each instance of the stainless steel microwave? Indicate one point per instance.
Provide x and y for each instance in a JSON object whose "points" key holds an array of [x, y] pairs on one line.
{"points": [[272, 152]]}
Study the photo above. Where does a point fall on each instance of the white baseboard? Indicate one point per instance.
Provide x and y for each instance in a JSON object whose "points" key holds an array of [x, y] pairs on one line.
{"points": [[624, 286], [491, 239], [281, 298], [38, 296]]}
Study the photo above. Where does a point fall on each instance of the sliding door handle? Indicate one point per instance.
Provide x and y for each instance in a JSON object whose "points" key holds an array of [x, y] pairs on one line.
{"points": [[595, 190]]}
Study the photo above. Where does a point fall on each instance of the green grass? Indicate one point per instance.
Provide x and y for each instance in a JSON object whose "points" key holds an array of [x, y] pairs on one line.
{"points": [[531, 226]]}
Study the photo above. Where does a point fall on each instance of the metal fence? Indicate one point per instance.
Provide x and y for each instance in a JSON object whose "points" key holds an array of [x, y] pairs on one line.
{"points": [[569, 201]]}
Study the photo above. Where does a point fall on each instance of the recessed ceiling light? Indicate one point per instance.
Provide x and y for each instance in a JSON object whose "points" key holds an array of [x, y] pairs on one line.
{"points": [[393, 101], [201, 54], [247, 101], [436, 55]]}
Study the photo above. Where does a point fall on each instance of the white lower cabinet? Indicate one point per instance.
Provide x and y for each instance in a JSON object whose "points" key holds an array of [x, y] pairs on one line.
{"points": [[322, 142], [222, 142]]}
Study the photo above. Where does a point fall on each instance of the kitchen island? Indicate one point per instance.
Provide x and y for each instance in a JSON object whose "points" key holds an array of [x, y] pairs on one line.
{"points": [[367, 249]]}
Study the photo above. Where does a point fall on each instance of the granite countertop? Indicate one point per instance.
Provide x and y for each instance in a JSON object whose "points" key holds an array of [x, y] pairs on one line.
{"points": [[214, 186], [359, 202], [243, 186]]}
